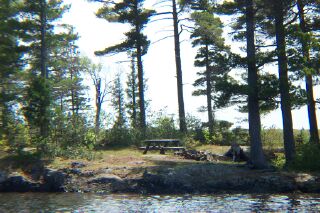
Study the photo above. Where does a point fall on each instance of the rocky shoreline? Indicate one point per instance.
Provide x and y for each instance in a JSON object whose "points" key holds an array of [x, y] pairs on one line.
{"points": [[201, 178]]}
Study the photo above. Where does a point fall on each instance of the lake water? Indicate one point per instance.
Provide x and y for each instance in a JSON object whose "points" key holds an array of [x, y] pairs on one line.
{"points": [[79, 203]]}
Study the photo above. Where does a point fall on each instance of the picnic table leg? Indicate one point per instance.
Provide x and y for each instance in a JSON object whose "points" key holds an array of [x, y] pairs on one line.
{"points": [[162, 152], [147, 148]]}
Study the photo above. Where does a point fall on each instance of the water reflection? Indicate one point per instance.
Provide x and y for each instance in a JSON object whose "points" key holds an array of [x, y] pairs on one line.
{"points": [[78, 203]]}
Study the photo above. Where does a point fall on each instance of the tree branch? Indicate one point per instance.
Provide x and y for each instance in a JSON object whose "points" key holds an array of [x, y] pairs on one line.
{"points": [[103, 1], [163, 13], [161, 19], [291, 21], [171, 36], [262, 46], [160, 2]]}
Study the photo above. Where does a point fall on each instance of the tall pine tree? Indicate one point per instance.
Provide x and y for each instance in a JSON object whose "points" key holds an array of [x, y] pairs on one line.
{"points": [[212, 55], [11, 53], [40, 38], [130, 12]]}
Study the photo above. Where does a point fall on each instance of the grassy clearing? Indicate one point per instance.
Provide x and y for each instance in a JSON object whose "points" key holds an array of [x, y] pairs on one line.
{"points": [[113, 158], [127, 157], [116, 159]]}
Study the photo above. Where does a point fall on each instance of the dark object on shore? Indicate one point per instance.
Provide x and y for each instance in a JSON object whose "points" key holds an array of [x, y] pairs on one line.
{"points": [[199, 155], [236, 153], [77, 165]]}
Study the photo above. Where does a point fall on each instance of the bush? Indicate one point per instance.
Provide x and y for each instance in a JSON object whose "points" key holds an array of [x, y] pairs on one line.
{"points": [[117, 137], [272, 138], [307, 158], [190, 142], [17, 138], [241, 136], [279, 161]]}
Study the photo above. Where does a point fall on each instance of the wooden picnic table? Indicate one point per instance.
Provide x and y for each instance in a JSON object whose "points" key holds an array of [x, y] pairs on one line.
{"points": [[162, 145]]}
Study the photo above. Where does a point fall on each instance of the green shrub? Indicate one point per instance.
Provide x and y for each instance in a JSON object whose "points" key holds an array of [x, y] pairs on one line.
{"points": [[272, 138], [279, 161], [301, 136], [117, 137], [190, 143], [241, 136], [307, 158]]}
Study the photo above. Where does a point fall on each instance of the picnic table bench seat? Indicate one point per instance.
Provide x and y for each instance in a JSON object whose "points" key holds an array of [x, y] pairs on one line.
{"points": [[162, 145]]}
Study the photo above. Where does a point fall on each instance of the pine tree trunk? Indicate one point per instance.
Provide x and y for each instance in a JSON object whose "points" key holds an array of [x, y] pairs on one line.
{"points": [[182, 117], [256, 153], [209, 97], [2, 106], [143, 124], [43, 53], [43, 68], [3, 111], [141, 90], [72, 94], [133, 90], [289, 145], [314, 134], [98, 104]]}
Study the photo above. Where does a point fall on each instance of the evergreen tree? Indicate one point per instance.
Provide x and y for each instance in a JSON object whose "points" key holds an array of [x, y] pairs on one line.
{"points": [[212, 54], [133, 13], [40, 38], [256, 153], [118, 103], [307, 11], [177, 10], [247, 24], [279, 12], [63, 57], [10, 64], [182, 116], [132, 93]]}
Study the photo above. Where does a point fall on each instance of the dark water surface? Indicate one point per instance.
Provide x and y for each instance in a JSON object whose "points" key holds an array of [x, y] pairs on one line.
{"points": [[73, 202]]}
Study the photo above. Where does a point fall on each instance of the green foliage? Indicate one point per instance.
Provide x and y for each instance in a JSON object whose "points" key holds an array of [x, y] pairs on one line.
{"points": [[201, 135], [279, 161], [301, 136], [37, 101], [18, 137], [132, 13], [222, 133], [272, 138], [307, 158], [241, 136], [163, 126], [11, 52], [117, 101], [71, 151], [132, 93], [190, 142], [117, 137]]}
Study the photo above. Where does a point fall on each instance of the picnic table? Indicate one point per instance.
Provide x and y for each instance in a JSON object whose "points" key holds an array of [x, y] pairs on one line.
{"points": [[162, 145]]}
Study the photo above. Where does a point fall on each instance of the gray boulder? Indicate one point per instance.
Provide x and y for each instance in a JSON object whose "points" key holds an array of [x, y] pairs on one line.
{"points": [[54, 180], [109, 182], [18, 183]]}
